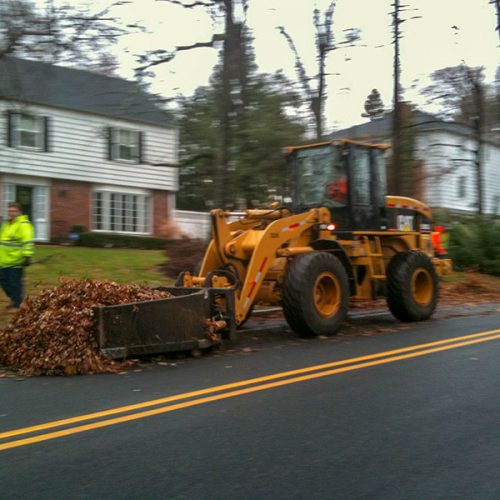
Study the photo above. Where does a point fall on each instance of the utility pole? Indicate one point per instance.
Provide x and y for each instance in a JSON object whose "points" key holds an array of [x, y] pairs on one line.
{"points": [[396, 113], [226, 106]]}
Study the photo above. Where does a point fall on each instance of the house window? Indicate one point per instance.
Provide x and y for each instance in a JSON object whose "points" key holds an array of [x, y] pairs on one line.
{"points": [[125, 145], [27, 131], [462, 187], [121, 212]]}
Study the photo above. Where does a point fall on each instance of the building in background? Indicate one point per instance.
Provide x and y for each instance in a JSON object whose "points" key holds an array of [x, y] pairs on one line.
{"points": [[80, 148], [444, 154]]}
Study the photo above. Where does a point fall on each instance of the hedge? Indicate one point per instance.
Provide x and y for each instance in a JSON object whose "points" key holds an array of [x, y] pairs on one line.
{"points": [[112, 240]]}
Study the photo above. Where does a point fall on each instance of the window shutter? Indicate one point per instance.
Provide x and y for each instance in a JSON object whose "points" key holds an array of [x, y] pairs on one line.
{"points": [[110, 143], [9, 128], [140, 150], [46, 132]]}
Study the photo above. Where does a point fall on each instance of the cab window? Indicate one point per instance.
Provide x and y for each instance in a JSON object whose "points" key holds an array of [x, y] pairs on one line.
{"points": [[322, 177]]}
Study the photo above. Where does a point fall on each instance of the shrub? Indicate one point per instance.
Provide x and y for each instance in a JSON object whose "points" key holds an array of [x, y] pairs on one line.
{"points": [[120, 241], [183, 254], [78, 229], [475, 244]]}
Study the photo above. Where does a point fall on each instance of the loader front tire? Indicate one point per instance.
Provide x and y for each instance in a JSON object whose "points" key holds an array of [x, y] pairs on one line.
{"points": [[315, 294], [412, 286]]}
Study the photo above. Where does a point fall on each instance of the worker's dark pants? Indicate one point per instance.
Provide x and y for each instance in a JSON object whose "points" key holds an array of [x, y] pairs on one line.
{"points": [[11, 280]]}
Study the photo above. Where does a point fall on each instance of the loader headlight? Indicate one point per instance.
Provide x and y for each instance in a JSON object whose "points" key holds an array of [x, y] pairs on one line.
{"points": [[328, 227]]}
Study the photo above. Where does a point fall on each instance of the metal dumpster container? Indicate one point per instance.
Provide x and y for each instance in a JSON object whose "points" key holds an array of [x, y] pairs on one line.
{"points": [[155, 326]]}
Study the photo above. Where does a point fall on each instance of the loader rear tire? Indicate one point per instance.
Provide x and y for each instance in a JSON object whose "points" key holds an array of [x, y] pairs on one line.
{"points": [[412, 286], [315, 294]]}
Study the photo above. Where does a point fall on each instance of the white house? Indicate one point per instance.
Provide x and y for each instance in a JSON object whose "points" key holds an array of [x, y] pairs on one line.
{"points": [[79, 148], [447, 153]]}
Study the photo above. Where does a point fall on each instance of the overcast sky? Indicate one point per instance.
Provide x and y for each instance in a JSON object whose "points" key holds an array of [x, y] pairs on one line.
{"points": [[448, 32]]}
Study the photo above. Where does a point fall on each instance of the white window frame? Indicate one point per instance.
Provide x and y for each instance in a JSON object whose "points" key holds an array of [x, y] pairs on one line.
{"points": [[20, 125], [122, 211], [123, 140]]}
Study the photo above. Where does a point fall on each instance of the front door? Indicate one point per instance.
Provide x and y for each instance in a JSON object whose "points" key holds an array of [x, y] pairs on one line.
{"points": [[34, 201], [24, 196]]}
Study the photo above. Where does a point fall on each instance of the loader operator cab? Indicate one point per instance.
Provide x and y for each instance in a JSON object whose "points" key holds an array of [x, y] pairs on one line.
{"points": [[348, 177]]}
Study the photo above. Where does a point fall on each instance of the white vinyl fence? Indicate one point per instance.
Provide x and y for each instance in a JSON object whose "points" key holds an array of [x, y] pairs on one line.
{"points": [[193, 224]]}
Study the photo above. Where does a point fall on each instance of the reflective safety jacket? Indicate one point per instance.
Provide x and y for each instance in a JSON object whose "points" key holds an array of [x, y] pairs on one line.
{"points": [[16, 241]]}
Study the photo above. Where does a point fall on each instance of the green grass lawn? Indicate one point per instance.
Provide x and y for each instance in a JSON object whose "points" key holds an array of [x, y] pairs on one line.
{"points": [[116, 264]]}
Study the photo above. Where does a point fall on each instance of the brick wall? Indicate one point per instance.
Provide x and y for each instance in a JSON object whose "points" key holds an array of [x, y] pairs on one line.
{"points": [[160, 213], [69, 206]]}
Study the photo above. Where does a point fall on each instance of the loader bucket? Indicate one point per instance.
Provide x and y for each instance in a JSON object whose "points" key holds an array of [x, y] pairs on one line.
{"points": [[155, 326]]}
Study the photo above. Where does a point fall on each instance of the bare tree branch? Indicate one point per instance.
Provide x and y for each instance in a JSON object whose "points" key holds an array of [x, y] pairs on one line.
{"points": [[299, 65], [157, 57], [190, 5], [496, 3], [59, 34]]}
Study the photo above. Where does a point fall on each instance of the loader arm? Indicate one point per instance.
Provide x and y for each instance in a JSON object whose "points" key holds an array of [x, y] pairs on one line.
{"points": [[289, 231], [224, 232]]}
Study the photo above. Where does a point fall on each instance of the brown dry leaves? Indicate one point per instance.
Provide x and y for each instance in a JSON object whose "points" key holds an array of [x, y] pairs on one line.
{"points": [[476, 289], [54, 332]]}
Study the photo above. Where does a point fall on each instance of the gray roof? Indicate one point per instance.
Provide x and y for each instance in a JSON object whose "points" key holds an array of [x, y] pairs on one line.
{"points": [[380, 129], [41, 83]]}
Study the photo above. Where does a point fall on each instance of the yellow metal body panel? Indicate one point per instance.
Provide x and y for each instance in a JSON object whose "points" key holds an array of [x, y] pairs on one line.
{"points": [[409, 204]]}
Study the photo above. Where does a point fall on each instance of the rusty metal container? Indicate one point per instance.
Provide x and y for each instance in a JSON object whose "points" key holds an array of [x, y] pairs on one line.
{"points": [[155, 326]]}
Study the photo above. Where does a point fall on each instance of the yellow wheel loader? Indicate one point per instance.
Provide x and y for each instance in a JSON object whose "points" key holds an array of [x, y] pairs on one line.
{"points": [[340, 238]]}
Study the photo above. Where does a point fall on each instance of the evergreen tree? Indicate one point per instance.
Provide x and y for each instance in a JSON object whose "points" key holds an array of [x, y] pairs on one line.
{"points": [[262, 127], [234, 72], [374, 107]]}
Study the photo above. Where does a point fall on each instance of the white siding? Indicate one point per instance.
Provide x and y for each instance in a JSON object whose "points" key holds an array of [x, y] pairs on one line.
{"points": [[447, 158], [78, 151]]}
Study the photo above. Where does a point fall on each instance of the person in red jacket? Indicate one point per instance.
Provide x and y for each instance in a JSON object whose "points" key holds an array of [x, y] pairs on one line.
{"points": [[439, 241], [16, 249], [337, 189]]}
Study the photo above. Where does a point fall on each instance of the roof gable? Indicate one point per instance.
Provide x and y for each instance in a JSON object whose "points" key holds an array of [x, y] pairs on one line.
{"points": [[381, 128], [79, 90]]}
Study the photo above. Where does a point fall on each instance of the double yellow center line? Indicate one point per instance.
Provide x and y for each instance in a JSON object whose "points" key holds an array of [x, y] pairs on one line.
{"points": [[180, 401]]}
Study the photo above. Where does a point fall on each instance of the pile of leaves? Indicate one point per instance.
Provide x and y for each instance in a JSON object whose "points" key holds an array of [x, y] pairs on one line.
{"points": [[476, 289], [54, 333]]}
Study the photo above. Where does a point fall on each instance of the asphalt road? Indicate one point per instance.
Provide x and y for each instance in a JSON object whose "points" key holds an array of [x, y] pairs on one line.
{"points": [[405, 413]]}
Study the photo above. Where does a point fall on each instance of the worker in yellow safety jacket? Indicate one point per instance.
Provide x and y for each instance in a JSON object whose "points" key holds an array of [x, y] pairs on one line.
{"points": [[16, 250]]}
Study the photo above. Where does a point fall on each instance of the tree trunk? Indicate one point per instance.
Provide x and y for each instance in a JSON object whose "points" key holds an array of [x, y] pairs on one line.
{"points": [[319, 104], [231, 99], [478, 136], [225, 108]]}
